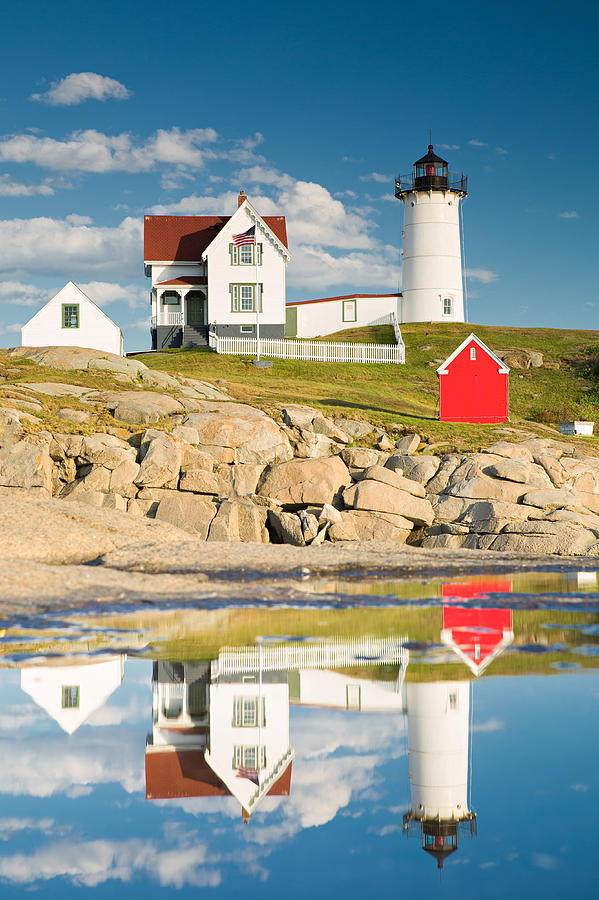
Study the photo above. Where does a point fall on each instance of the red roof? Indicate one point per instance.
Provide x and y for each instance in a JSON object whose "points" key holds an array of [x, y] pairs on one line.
{"points": [[185, 773], [345, 297], [188, 279], [184, 238]]}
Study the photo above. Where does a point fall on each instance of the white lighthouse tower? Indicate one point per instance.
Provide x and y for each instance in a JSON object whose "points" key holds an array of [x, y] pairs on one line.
{"points": [[438, 745], [432, 252]]}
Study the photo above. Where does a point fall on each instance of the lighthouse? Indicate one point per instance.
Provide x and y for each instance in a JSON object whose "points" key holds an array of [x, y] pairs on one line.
{"points": [[438, 745], [432, 249]]}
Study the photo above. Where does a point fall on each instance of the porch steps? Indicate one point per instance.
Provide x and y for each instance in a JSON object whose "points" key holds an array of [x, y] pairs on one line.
{"points": [[195, 336]]}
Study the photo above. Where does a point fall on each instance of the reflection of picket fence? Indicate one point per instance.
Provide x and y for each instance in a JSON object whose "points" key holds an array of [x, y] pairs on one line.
{"points": [[330, 654], [313, 351]]}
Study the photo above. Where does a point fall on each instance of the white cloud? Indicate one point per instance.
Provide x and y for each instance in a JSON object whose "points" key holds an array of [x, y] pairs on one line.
{"points": [[448, 146], [484, 275], [569, 214], [489, 726], [476, 143], [61, 247], [105, 292], [94, 151], [339, 195], [376, 176], [10, 827], [80, 86], [314, 269], [501, 151], [21, 294], [10, 187]]}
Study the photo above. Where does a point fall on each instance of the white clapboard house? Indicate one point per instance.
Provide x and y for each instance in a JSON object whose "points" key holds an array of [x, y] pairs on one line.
{"points": [[72, 319], [201, 279], [313, 318]]}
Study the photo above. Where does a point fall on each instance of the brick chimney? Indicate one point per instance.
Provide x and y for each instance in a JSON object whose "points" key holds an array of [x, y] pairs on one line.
{"points": [[241, 199]]}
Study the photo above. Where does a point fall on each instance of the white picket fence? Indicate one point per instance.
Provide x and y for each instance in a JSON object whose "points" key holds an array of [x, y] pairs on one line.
{"points": [[327, 654], [313, 351]]}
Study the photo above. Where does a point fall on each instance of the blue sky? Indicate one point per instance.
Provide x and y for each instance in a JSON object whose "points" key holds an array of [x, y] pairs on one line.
{"points": [[312, 109]]}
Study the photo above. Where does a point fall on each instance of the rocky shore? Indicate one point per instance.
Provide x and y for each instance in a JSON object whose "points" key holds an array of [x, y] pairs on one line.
{"points": [[183, 458]]}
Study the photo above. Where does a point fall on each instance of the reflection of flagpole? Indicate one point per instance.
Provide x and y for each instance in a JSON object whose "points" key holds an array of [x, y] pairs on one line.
{"points": [[259, 760], [257, 298]]}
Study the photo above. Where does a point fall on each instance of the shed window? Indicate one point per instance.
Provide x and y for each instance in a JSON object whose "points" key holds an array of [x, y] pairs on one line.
{"points": [[447, 306], [472, 352], [70, 315], [349, 311], [70, 697]]}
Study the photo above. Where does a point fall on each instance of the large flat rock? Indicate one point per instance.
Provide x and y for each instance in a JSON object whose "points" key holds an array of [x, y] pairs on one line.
{"points": [[52, 531]]}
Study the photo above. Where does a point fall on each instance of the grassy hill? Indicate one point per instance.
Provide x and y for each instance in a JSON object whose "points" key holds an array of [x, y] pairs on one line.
{"points": [[392, 396]]}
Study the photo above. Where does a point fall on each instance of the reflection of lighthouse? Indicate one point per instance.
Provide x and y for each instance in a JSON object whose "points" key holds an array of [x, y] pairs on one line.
{"points": [[438, 739]]}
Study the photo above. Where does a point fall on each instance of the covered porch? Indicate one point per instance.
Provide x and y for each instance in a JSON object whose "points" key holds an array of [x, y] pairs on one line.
{"points": [[181, 302]]}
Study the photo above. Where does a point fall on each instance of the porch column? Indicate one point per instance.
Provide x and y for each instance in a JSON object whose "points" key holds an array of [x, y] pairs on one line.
{"points": [[184, 292]]}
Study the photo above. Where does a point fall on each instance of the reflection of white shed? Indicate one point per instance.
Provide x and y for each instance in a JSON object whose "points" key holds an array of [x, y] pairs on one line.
{"points": [[72, 319], [337, 690], [70, 694]]}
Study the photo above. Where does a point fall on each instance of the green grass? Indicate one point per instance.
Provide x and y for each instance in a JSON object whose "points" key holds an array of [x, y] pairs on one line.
{"points": [[397, 397]]}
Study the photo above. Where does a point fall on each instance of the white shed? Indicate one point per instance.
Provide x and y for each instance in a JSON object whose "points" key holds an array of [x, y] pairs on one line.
{"points": [[72, 319], [312, 318]]}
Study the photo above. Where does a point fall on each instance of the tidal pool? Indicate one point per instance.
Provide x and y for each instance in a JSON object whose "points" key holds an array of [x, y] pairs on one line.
{"points": [[436, 737]]}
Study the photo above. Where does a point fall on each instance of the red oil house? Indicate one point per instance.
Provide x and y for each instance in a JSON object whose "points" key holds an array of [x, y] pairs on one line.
{"points": [[473, 385]]}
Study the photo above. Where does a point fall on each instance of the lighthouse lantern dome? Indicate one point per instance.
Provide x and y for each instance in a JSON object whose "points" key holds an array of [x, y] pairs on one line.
{"points": [[430, 171]]}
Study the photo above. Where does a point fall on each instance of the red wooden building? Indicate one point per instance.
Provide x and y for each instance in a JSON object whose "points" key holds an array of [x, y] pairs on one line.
{"points": [[473, 385]]}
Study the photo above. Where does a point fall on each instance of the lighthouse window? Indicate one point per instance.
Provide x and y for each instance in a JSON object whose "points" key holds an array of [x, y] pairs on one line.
{"points": [[447, 306], [453, 700]]}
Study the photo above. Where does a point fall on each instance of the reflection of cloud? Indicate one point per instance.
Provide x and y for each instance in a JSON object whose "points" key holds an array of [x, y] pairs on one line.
{"points": [[65, 765], [579, 787], [543, 861], [10, 827], [90, 863], [489, 725]]}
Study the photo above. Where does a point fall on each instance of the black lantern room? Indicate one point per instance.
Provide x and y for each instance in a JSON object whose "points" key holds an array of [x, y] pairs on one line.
{"points": [[430, 171]]}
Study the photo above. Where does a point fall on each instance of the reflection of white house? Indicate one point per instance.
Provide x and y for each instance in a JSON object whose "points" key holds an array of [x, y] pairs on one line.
{"points": [[72, 319], [200, 277], [218, 735], [312, 318], [70, 694]]}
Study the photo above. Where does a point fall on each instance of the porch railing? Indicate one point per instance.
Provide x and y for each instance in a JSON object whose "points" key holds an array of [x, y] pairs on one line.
{"points": [[168, 318]]}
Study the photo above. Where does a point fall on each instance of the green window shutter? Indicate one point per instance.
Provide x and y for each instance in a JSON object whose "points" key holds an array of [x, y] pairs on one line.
{"points": [[260, 293], [259, 248]]}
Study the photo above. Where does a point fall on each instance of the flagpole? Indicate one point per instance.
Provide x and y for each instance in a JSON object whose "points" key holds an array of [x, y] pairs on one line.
{"points": [[257, 298]]}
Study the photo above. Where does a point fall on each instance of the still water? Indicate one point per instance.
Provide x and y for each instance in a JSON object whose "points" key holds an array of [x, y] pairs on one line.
{"points": [[437, 738]]}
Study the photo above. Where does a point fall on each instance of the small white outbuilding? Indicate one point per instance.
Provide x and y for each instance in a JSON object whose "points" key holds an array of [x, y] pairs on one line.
{"points": [[72, 319]]}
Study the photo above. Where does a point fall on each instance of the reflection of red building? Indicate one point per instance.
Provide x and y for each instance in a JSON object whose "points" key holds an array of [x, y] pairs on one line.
{"points": [[477, 635], [475, 590]]}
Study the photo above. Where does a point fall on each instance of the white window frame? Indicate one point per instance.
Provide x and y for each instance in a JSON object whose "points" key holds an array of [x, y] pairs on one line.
{"points": [[247, 755], [245, 711], [245, 294], [473, 353], [244, 254], [447, 306]]}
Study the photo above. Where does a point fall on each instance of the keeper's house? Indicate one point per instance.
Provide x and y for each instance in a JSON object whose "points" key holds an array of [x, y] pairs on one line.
{"points": [[200, 279], [312, 318]]}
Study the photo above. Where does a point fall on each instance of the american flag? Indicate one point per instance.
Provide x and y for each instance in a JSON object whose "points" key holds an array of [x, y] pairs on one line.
{"points": [[250, 774], [247, 237]]}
